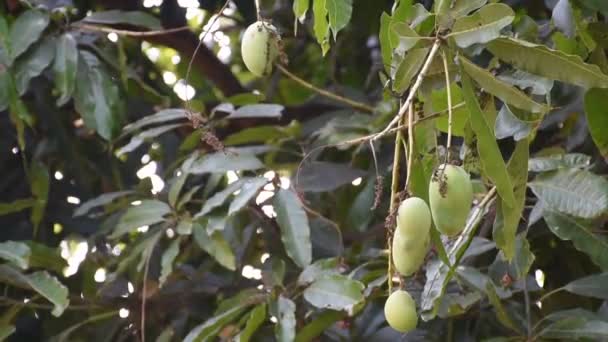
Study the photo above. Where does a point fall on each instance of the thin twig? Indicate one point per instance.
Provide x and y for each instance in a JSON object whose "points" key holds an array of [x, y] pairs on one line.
{"points": [[355, 104], [449, 92], [200, 42], [412, 92], [410, 154], [392, 206], [144, 286], [527, 304], [257, 10], [105, 29]]}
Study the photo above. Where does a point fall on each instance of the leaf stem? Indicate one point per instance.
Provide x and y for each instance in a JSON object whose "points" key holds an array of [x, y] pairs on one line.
{"points": [[412, 92], [449, 93], [410, 133], [355, 104], [550, 293]]}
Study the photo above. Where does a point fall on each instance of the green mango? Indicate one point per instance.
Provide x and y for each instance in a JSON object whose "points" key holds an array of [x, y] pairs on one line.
{"points": [[400, 311], [260, 47], [409, 254], [450, 198]]}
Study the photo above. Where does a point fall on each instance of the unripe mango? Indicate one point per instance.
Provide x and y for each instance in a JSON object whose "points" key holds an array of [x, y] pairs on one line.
{"points": [[450, 198], [409, 254], [414, 218], [400, 311], [259, 47]]}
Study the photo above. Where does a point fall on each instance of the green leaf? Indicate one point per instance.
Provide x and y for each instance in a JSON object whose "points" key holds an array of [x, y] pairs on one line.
{"points": [[591, 286], [575, 192], [439, 103], [563, 17], [553, 64], [33, 63], [385, 40], [215, 244], [581, 234], [489, 153], [576, 328], [149, 212], [285, 329], [39, 185], [16, 252], [482, 26], [144, 136], [166, 261], [339, 13], [176, 188], [42, 256], [6, 331], [321, 24], [300, 7], [503, 91], [42, 282], [460, 8], [508, 216], [211, 327], [257, 316], [248, 190], [259, 134], [96, 98], [319, 324], [508, 125], [25, 31], [134, 18], [336, 292], [537, 85], [318, 176], [501, 313], [65, 67], [559, 161], [162, 116], [402, 37], [259, 110], [408, 68], [295, 231], [596, 102], [98, 201], [220, 197], [224, 162], [318, 269], [16, 206], [5, 85]]}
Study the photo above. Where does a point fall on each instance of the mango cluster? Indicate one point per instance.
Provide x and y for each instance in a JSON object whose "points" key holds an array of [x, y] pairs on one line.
{"points": [[450, 199]]}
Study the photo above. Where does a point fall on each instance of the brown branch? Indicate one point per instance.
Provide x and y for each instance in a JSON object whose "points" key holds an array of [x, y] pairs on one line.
{"points": [[95, 28]]}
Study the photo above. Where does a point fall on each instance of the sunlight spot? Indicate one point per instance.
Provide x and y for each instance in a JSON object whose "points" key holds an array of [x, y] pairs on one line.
{"points": [[178, 173], [188, 3], [285, 182], [152, 3], [251, 272], [153, 53], [264, 257], [539, 275], [100, 275], [269, 211], [74, 252], [273, 319], [130, 287], [170, 233], [357, 181], [232, 177], [118, 248], [224, 54], [145, 159], [57, 228], [142, 229], [123, 313], [158, 184], [169, 77], [258, 230], [58, 175], [113, 37], [15, 150], [539, 304], [269, 174], [147, 170], [263, 196], [26, 300], [184, 91], [73, 200], [176, 59], [260, 287], [78, 123], [136, 203]]}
